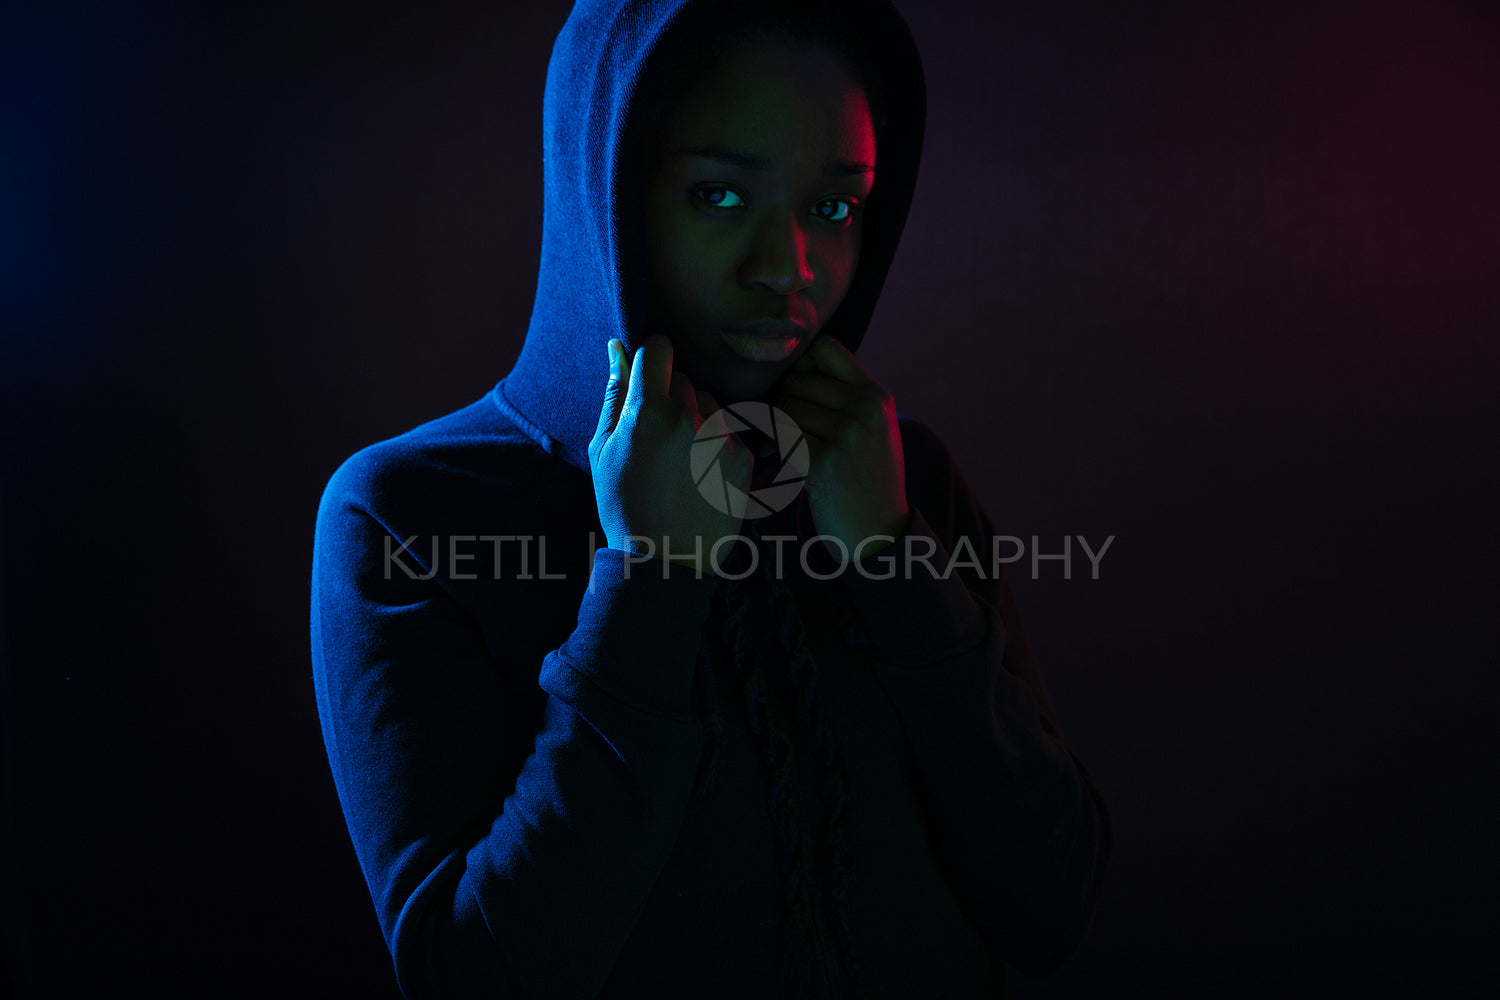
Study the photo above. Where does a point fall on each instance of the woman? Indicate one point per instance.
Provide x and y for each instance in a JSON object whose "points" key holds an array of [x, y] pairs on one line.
{"points": [[601, 723]]}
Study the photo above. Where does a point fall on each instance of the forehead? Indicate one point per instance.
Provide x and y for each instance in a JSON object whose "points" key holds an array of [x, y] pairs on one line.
{"points": [[776, 96]]}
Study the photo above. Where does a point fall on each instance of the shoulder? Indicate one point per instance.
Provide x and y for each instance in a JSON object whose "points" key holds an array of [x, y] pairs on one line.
{"points": [[926, 457], [472, 455], [936, 485], [922, 442]]}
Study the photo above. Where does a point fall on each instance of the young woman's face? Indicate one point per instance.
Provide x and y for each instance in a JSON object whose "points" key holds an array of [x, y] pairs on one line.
{"points": [[754, 188]]}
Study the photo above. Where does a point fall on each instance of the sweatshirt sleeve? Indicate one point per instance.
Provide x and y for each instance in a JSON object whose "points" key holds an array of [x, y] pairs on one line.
{"points": [[1021, 831], [507, 854]]}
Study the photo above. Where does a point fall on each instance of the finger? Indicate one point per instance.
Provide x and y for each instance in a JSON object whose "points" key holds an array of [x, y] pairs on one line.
{"points": [[736, 454], [707, 405], [833, 358], [819, 422], [681, 389], [654, 364], [823, 390], [614, 391]]}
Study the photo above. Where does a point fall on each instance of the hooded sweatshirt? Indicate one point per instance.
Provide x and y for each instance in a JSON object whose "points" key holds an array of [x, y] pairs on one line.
{"points": [[552, 784]]}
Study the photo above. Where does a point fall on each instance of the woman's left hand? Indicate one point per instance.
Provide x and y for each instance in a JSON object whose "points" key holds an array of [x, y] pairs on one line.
{"points": [[856, 484]]}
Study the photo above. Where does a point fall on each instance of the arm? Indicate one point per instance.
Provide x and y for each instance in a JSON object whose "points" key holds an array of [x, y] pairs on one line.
{"points": [[507, 854], [1019, 826]]}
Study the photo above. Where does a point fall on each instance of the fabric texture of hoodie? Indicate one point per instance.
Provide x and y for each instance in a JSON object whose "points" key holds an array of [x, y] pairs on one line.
{"points": [[515, 715]]}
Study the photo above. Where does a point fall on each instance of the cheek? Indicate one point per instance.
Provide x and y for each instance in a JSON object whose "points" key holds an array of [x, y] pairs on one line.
{"points": [[666, 256], [685, 277], [839, 263], [667, 262], [688, 279]]}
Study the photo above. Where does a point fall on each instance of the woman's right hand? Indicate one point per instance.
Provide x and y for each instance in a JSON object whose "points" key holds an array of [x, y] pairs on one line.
{"points": [[640, 460]]}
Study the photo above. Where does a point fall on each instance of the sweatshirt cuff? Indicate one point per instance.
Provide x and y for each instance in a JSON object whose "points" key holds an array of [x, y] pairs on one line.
{"points": [[916, 610], [639, 630]]}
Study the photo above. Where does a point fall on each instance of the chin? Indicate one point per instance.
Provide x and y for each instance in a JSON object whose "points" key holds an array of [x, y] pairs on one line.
{"points": [[742, 385]]}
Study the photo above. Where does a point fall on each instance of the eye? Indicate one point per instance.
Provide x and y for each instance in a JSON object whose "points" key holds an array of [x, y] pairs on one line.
{"points": [[835, 209], [720, 197]]}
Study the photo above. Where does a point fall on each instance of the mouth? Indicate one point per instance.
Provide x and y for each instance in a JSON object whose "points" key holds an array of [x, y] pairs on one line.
{"points": [[765, 340]]}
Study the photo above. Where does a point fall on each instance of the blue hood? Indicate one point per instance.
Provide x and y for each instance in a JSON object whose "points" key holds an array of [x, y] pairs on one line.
{"points": [[556, 387]]}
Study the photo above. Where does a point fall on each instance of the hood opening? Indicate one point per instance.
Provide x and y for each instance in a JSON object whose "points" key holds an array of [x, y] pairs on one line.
{"points": [[615, 56]]}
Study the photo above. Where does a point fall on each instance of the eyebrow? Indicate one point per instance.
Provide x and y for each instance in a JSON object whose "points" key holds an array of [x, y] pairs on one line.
{"points": [[751, 161]]}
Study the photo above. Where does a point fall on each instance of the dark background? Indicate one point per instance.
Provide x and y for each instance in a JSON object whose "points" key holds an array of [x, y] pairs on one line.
{"points": [[1218, 281]]}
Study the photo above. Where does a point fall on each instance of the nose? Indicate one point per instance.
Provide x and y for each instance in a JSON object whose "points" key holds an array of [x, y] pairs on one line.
{"points": [[776, 260]]}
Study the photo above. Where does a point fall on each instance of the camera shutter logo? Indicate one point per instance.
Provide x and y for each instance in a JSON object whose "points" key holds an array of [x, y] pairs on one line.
{"points": [[791, 448]]}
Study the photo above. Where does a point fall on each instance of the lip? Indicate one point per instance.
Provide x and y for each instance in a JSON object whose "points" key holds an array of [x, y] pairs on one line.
{"points": [[765, 340]]}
